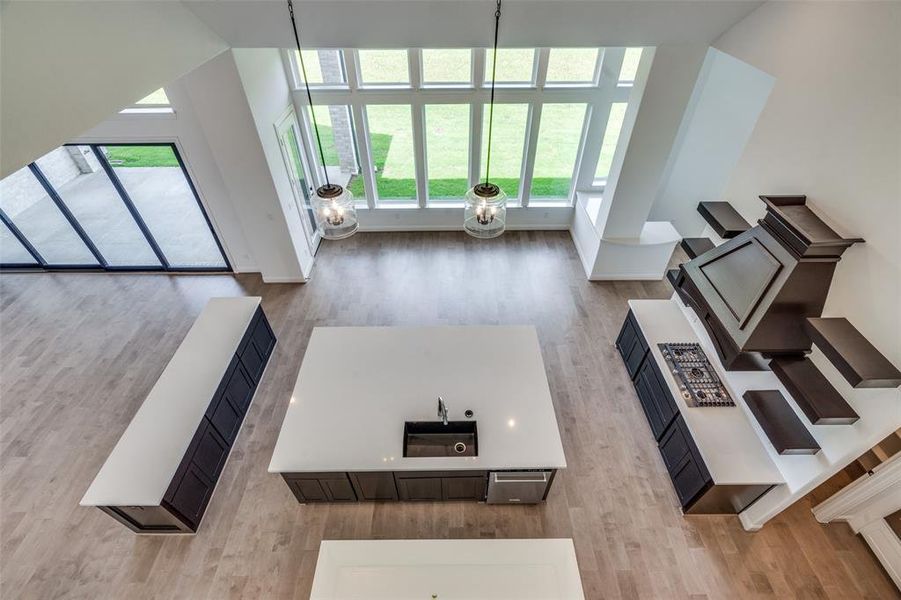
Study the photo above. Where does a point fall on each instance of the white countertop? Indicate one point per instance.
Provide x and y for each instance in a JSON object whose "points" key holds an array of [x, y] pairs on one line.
{"points": [[732, 450], [357, 386], [143, 462], [452, 569]]}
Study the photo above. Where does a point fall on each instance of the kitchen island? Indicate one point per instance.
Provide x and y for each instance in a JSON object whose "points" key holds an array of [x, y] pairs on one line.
{"points": [[413, 569], [362, 392]]}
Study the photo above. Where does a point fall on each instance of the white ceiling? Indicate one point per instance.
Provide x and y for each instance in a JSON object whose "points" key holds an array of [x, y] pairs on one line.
{"points": [[469, 23]]}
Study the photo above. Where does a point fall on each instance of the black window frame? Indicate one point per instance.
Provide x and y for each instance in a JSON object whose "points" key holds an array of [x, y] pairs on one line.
{"points": [[41, 265]]}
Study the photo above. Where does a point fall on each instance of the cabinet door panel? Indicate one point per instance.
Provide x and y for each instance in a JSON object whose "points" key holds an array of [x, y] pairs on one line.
{"points": [[307, 490], [240, 388], [253, 361], [263, 338], [463, 488], [374, 486], [644, 388], [631, 345], [338, 489], [211, 452], [663, 398], [192, 494], [673, 447], [419, 488], [688, 480]]}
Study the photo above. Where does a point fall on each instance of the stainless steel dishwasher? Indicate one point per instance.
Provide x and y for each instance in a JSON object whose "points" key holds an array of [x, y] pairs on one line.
{"points": [[519, 487]]}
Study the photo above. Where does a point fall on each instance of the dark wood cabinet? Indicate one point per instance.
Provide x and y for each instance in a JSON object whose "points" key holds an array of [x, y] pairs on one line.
{"points": [[693, 484], [684, 463], [631, 345], [655, 397], [419, 488], [321, 487], [191, 488], [374, 486], [257, 345], [464, 488], [408, 486]]}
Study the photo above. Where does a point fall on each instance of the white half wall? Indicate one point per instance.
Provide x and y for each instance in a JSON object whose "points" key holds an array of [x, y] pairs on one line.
{"points": [[726, 102], [215, 127], [636, 177], [832, 130], [262, 74], [67, 66]]}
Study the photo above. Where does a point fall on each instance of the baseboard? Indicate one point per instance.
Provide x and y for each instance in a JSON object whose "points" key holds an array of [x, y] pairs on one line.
{"points": [[284, 279], [628, 277]]}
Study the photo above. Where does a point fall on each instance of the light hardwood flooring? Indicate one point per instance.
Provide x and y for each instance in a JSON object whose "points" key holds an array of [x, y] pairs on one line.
{"points": [[81, 351]]}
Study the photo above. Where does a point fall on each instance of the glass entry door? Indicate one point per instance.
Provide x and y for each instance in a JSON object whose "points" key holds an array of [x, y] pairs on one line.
{"points": [[112, 207], [288, 138]]}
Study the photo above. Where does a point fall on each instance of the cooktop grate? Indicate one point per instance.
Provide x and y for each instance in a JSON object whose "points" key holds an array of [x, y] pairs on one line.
{"points": [[697, 380]]}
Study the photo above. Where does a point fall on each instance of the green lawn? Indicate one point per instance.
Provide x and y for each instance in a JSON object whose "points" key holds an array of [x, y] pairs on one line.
{"points": [[140, 156], [447, 130]]}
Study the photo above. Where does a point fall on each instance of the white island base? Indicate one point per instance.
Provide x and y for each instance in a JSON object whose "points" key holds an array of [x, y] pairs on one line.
{"points": [[447, 570]]}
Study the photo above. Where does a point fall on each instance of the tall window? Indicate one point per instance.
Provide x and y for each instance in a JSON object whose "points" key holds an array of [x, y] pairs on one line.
{"points": [[113, 207], [422, 121]]}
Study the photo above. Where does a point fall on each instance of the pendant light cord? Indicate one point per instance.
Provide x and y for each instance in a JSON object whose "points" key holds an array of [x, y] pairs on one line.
{"points": [[303, 71], [497, 23]]}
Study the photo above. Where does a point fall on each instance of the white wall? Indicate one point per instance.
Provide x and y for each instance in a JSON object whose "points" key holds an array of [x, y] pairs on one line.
{"points": [[832, 130], [66, 66], [726, 102], [638, 168], [469, 23], [214, 126], [263, 77]]}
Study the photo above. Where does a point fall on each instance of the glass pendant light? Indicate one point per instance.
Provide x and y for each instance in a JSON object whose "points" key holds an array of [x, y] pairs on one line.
{"points": [[485, 210], [333, 205]]}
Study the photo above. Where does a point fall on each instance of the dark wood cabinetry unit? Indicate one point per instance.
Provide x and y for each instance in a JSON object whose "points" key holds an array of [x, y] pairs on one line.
{"points": [[192, 486], [374, 486], [631, 345], [695, 247], [388, 486], [695, 488], [441, 485], [754, 292], [656, 400], [321, 487]]}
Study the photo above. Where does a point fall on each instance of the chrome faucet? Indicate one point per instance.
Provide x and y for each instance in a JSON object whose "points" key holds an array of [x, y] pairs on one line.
{"points": [[442, 410]]}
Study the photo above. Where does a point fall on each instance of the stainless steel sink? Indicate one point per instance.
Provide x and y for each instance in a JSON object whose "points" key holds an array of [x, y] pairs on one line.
{"points": [[434, 438]]}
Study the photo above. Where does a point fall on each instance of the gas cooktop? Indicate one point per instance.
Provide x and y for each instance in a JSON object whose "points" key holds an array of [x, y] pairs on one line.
{"points": [[698, 382]]}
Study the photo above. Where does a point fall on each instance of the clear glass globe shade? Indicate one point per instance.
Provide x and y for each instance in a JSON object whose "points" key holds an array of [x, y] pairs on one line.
{"points": [[335, 213], [485, 211]]}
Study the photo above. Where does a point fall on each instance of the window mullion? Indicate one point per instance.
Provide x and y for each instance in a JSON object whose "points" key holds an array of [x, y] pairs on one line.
{"points": [[531, 145], [476, 118], [541, 67], [17, 233], [361, 134], [611, 63]]}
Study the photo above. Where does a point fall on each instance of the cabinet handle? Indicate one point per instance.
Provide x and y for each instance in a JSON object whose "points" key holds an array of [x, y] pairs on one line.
{"points": [[505, 478]]}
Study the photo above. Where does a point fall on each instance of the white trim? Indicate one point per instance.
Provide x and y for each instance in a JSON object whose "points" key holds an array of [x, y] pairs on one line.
{"points": [[886, 546], [855, 498]]}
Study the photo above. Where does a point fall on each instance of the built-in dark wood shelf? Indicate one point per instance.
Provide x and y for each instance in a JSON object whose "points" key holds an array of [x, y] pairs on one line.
{"points": [[852, 354], [812, 392], [780, 423], [791, 220], [697, 246], [724, 219]]}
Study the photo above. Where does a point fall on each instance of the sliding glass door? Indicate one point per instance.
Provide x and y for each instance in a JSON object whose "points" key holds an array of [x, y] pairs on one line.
{"points": [[111, 207]]}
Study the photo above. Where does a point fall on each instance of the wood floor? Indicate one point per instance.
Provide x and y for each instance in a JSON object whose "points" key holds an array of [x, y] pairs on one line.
{"points": [[81, 351]]}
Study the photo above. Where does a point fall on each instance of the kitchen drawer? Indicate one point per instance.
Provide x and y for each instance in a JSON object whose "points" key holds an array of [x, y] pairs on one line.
{"points": [[655, 397], [191, 495], [321, 487], [631, 345], [257, 345]]}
